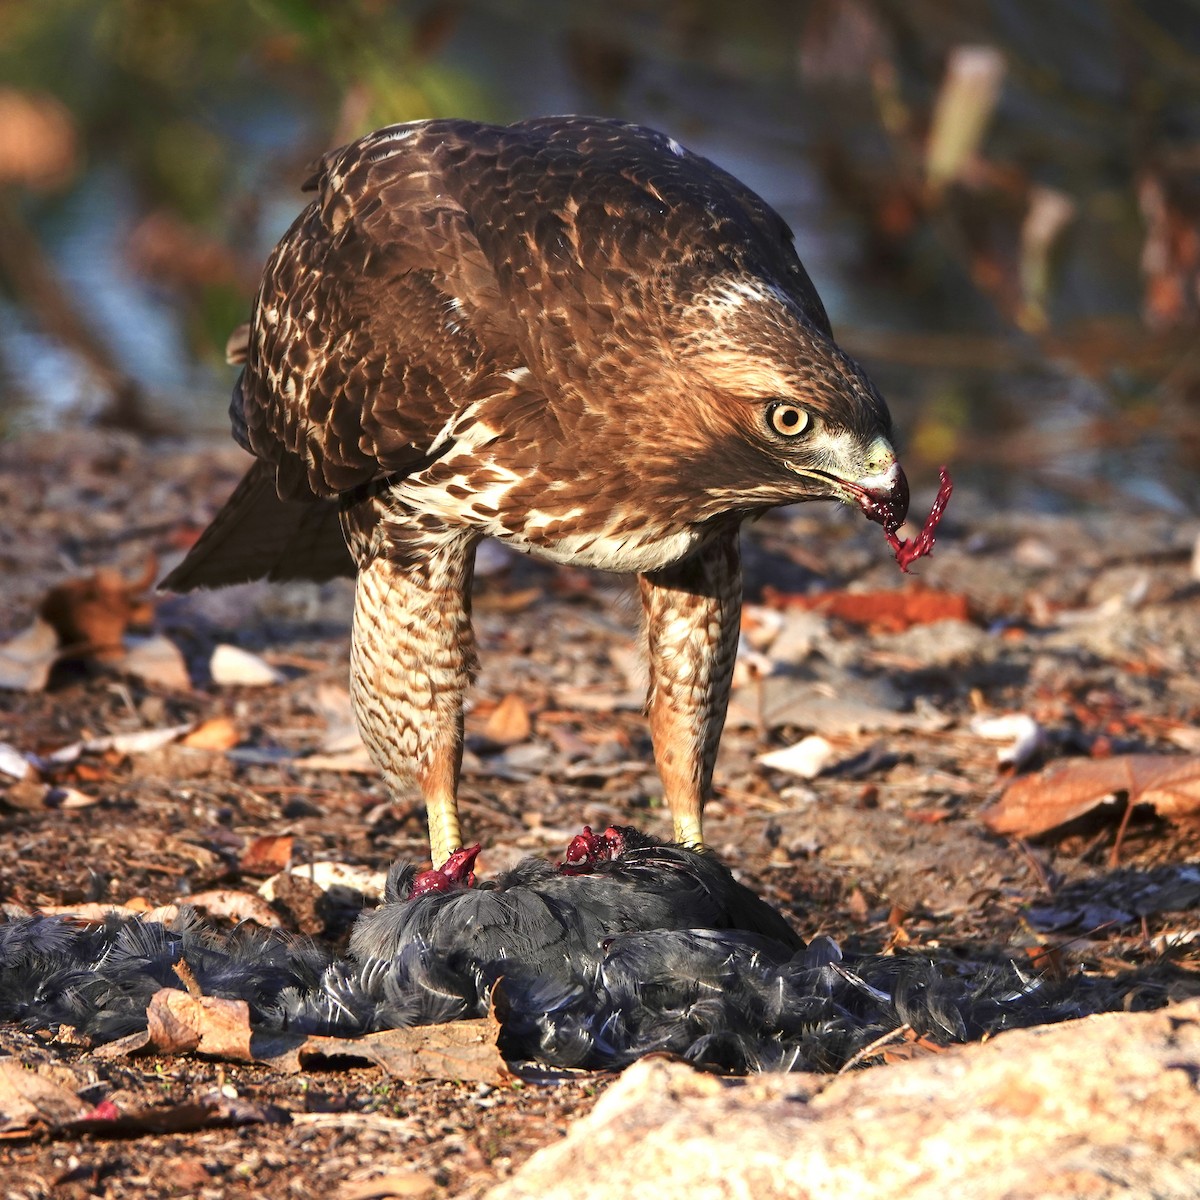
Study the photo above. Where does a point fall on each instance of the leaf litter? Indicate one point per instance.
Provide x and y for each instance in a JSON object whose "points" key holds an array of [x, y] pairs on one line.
{"points": [[841, 853]]}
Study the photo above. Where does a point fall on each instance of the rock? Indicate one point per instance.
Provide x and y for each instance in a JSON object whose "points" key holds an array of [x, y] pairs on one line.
{"points": [[1103, 1107]]}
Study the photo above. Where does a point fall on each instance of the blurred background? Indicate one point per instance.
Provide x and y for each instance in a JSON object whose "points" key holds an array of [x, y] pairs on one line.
{"points": [[999, 200]]}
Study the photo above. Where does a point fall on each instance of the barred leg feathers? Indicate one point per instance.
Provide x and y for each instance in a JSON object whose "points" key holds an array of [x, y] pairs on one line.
{"points": [[411, 659], [659, 949]]}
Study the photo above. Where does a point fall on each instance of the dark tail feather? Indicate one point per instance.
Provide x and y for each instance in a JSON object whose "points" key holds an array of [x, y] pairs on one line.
{"points": [[256, 535]]}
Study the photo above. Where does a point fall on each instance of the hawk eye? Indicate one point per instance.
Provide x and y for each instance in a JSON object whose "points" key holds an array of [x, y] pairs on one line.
{"points": [[787, 419]]}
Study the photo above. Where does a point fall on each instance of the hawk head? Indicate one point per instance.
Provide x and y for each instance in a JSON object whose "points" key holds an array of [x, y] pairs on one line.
{"points": [[782, 413]]}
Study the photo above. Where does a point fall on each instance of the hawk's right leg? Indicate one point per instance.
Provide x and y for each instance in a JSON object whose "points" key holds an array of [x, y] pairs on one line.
{"points": [[412, 656]]}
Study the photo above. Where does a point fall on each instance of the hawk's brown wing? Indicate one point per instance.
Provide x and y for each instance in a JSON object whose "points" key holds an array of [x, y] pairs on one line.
{"points": [[376, 321]]}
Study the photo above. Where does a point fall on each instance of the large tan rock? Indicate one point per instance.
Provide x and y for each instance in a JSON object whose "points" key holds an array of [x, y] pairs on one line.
{"points": [[1097, 1108]]}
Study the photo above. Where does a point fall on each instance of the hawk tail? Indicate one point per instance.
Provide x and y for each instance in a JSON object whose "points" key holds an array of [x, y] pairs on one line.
{"points": [[256, 535]]}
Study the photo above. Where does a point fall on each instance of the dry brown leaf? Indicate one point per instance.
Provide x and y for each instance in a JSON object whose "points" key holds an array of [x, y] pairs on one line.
{"points": [[27, 795], [90, 615], [408, 1184], [357, 761], [26, 659], [267, 855], [95, 913], [141, 741], [1173, 789], [156, 660], [460, 1050], [329, 877], [509, 723], [14, 764], [1067, 790], [237, 906], [889, 611], [178, 1022], [29, 1098], [218, 733]]}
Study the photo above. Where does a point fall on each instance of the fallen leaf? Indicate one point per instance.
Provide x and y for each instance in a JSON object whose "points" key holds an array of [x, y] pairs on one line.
{"points": [[508, 602], [597, 699], [141, 741], [462, 1051], [761, 625], [928, 816], [1022, 731], [331, 701], [509, 723], [847, 706], [28, 1098], [1070, 789], [395, 1184], [357, 761], [211, 1112], [890, 611], [94, 913], [331, 877], [27, 795], [26, 659], [178, 1022], [236, 906], [267, 855], [230, 666], [808, 758], [155, 660], [68, 797], [218, 733], [90, 615], [14, 764]]}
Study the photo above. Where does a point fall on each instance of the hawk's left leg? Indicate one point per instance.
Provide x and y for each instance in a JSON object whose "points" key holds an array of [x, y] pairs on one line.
{"points": [[693, 610]]}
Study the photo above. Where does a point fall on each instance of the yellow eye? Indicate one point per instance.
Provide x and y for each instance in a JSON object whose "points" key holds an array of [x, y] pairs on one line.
{"points": [[787, 419]]}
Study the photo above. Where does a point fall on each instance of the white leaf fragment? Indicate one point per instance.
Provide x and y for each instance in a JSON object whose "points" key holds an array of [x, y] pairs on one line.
{"points": [[1024, 734], [808, 758], [231, 666]]}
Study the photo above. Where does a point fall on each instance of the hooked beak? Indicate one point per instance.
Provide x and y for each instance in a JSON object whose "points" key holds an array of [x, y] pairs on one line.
{"points": [[881, 491], [882, 497]]}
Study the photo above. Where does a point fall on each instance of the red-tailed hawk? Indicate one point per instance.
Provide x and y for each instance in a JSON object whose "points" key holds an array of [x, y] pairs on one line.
{"points": [[570, 334]]}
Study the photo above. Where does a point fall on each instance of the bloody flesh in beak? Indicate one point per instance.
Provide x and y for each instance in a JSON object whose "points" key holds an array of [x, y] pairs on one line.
{"points": [[891, 507]]}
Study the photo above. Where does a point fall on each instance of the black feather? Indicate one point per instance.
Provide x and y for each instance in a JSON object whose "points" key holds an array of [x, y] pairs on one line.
{"points": [[657, 950]]}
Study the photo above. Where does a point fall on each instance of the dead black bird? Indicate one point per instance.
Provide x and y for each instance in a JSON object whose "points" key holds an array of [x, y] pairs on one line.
{"points": [[630, 946]]}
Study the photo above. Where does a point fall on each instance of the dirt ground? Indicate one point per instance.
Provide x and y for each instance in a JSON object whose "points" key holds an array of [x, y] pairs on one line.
{"points": [[1089, 625]]}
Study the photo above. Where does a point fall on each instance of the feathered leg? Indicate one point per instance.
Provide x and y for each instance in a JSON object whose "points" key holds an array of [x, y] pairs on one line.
{"points": [[693, 610], [412, 656]]}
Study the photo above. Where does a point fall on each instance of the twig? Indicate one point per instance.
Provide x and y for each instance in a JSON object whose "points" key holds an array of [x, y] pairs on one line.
{"points": [[877, 1045]]}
